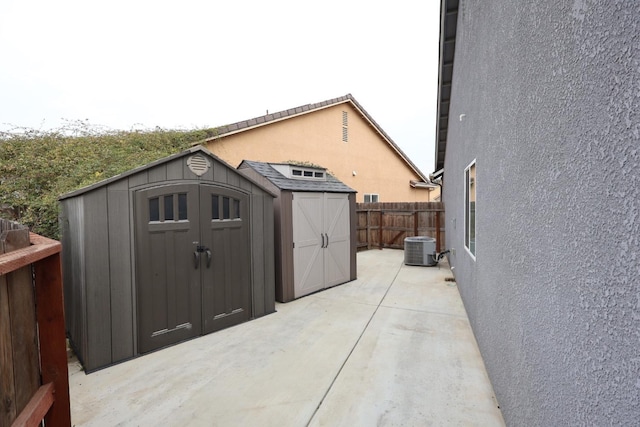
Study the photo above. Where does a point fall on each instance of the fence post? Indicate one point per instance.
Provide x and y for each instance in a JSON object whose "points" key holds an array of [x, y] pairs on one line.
{"points": [[368, 229], [380, 232], [415, 223], [53, 352]]}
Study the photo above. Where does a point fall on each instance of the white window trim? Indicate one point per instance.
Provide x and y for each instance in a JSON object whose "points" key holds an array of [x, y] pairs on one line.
{"points": [[467, 206], [287, 170], [371, 196]]}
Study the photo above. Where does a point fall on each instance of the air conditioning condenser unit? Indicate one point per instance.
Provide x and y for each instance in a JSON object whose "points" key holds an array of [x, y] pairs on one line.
{"points": [[420, 250]]}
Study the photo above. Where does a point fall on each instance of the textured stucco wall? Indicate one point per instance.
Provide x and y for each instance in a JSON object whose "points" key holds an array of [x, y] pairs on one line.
{"points": [[550, 93]]}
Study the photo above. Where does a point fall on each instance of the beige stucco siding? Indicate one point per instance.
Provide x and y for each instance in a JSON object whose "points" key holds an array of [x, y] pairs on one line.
{"points": [[316, 137]]}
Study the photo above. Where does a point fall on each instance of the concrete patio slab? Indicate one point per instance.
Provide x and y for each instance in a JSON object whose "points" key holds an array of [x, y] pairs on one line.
{"points": [[391, 348]]}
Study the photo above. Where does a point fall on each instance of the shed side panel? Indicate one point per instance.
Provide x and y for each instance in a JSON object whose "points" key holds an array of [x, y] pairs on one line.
{"points": [[98, 297], [219, 173], [246, 185], [257, 253], [233, 179], [251, 173], [286, 247], [120, 271], [138, 179], [73, 265], [175, 170], [354, 238], [158, 173], [269, 256], [277, 246]]}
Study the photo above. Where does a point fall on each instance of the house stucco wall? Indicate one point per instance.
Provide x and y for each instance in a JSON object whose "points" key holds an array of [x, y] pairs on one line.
{"points": [[316, 137], [546, 98]]}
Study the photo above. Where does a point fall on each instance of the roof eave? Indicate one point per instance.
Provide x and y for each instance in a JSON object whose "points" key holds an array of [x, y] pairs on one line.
{"points": [[448, 30]]}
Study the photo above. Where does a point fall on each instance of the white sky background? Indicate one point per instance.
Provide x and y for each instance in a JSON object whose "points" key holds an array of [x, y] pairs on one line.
{"points": [[192, 64]]}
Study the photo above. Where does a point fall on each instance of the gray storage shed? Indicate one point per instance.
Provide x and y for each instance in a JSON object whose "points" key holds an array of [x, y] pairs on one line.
{"points": [[315, 227], [166, 252]]}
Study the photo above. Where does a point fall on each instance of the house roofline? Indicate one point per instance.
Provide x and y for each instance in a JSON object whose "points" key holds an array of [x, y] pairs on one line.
{"points": [[422, 185], [448, 30], [267, 119]]}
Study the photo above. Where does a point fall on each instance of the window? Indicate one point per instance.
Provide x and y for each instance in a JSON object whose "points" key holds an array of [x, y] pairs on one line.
{"points": [[226, 210], [470, 209], [154, 209], [236, 208], [371, 198], [215, 210], [164, 208], [307, 173], [182, 206], [229, 206], [168, 207]]}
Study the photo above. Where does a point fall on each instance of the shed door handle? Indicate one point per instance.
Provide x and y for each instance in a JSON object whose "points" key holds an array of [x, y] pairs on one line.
{"points": [[322, 235], [196, 259], [327, 245], [209, 256]]}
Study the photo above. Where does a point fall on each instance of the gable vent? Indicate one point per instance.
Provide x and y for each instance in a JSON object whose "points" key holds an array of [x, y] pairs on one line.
{"points": [[345, 124], [198, 165]]}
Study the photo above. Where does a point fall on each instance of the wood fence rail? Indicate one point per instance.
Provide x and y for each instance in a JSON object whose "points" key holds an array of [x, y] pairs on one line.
{"points": [[386, 225], [34, 382]]}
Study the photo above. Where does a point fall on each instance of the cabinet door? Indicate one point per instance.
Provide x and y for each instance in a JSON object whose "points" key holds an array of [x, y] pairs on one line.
{"points": [[308, 262], [337, 235]]}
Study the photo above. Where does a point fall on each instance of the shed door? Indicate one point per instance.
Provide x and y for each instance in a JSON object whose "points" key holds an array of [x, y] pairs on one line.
{"points": [[308, 261], [226, 281], [321, 236], [338, 235], [169, 289], [192, 262]]}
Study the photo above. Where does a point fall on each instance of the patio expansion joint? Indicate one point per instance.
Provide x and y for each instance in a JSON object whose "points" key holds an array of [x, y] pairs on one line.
{"points": [[326, 393], [439, 313]]}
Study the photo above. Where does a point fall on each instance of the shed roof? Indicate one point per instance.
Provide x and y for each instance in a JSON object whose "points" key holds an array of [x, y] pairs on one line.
{"points": [[245, 125], [197, 149], [331, 185]]}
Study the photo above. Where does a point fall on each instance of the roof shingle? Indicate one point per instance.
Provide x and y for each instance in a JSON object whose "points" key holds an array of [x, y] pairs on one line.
{"points": [[331, 185]]}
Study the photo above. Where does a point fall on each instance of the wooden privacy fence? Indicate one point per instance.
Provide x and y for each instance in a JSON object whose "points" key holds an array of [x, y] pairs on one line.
{"points": [[34, 383], [386, 225]]}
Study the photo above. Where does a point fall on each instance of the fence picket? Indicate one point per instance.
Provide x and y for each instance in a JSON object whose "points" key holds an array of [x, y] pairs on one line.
{"points": [[386, 225]]}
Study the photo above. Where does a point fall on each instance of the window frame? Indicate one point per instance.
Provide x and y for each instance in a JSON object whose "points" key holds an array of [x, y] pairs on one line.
{"points": [[470, 192], [371, 195]]}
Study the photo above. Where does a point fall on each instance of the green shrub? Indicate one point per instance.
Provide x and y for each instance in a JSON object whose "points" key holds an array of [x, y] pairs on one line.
{"points": [[37, 167]]}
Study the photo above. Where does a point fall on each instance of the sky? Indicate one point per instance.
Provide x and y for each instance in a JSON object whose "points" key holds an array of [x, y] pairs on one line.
{"points": [[139, 64]]}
